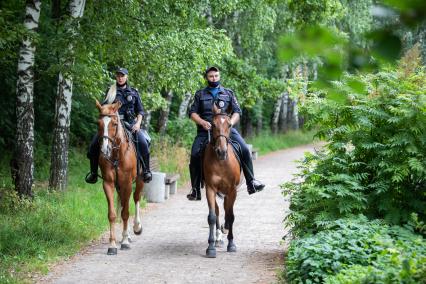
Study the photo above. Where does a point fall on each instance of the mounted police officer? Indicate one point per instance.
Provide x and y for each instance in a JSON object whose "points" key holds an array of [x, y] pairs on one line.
{"points": [[131, 112], [202, 114]]}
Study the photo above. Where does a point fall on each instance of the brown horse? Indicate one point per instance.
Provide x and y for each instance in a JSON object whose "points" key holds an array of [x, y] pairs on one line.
{"points": [[221, 175], [118, 166]]}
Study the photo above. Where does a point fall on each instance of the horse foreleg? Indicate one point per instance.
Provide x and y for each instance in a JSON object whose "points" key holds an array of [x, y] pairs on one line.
{"points": [[137, 225], [125, 197], [109, 193], [211, 219], [219, 236], [229, 219]]}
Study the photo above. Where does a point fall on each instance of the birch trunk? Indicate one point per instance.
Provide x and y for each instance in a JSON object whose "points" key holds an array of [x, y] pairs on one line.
{"points": [[59, 159], [276, 114], [183, 108], [283, 121], [22, 165], [164, 114]]}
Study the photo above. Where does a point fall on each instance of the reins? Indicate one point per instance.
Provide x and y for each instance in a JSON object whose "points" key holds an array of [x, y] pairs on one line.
{"points": [[115, 162], [213, 140]]}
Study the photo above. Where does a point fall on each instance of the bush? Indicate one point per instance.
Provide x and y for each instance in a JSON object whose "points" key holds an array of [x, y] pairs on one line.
{"points": [[352, 245], [375, 160]]}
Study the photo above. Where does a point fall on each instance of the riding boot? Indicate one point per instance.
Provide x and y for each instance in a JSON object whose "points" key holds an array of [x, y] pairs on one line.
{"points": [[147, 175], [195, 174], [252, 184], [92, 177]]}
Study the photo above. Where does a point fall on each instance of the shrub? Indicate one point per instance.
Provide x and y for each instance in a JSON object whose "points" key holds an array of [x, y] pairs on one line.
{"points": [[348, 246], [375, 160]]}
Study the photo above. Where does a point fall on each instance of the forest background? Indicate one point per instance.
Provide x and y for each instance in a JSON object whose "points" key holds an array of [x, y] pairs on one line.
{"points": [[57, 56]]}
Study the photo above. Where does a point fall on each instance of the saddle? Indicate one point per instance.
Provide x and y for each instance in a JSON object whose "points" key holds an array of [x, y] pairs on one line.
{"points": [[128, 131]]}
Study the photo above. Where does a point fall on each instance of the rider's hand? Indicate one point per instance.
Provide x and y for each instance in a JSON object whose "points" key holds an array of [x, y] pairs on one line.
{"points": [[206, 125], [136, 127]]}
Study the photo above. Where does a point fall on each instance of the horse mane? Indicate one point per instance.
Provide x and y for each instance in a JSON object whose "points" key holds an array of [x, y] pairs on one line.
{"points": [[110, 97]]}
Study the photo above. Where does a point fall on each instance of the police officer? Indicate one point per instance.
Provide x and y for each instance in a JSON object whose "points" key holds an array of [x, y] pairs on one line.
{"points": [[202, 114], [131, 111]]}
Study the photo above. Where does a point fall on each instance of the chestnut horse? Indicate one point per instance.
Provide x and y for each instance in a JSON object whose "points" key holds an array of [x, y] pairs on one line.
{"points": [[221, 175], [117, 161]]}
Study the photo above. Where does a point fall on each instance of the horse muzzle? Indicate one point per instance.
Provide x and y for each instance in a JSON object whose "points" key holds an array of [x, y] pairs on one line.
{"points": [[221, 154]]}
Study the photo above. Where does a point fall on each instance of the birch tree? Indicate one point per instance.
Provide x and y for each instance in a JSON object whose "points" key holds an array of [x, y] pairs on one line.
{"points": [[59, 158], [23, 161]]}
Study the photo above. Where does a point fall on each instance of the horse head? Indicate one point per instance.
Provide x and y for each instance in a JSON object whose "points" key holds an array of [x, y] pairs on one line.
{"points": [[108, 126], [221, 128]]}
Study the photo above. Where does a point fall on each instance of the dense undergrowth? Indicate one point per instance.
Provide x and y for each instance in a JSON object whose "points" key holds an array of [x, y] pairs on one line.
{"points": [[358, 207]]}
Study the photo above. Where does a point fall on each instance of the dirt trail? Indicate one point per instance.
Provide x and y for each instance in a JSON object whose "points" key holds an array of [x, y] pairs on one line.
{"points": [[172, 246]]}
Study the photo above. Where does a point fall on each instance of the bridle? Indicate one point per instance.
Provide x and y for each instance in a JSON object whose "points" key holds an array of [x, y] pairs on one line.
{"points": [[213, 140], [115, 146]]}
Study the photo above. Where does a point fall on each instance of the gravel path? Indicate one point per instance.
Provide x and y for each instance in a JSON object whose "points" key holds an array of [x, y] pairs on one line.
{"points": [[172, 246]]}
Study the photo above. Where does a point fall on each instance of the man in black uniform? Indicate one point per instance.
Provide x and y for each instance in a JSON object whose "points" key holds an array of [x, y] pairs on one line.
{"points": [[131, 111], [202, 114]]}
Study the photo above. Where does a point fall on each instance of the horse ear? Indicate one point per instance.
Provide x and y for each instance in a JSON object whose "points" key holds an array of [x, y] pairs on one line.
{"points": [[116, 106], [98, 105], [216, 110]]}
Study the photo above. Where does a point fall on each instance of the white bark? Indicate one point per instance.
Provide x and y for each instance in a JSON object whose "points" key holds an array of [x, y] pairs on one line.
{"points": [[284, 112], [59, 159], [183, 108], [276, 114], [23, 162]]}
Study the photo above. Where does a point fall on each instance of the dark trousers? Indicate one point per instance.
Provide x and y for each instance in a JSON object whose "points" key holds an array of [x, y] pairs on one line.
{"points": [[93, 153], [197, 147]]}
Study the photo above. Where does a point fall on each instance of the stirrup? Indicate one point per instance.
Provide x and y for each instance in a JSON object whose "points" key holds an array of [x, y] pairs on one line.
{"points": [[147, 177], [255, 186], [194, 195], [91, 178]]}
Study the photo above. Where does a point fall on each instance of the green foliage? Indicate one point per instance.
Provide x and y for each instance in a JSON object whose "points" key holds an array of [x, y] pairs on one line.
{"points": [[375, 159], [308, 12], [182, 131], [358, 251]]}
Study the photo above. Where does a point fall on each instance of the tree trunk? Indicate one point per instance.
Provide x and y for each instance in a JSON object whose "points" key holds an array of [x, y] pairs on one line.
{"points": [[209, 16], [183, 108], [276, 114], [283, 120], [59, 159], [259, 121], [22, 165], [146, 120], [164, 114], [295, 115]]}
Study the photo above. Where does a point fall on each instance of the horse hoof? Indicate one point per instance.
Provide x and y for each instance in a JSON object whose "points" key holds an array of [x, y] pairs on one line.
{"points": [[211, 253], [219, 244], [125, 247], [112, 251], [232, 248], [138, 232]]}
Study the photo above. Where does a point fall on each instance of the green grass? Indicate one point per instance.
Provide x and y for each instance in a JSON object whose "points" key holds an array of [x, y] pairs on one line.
{"points": [[267, 142], [53, 226]]}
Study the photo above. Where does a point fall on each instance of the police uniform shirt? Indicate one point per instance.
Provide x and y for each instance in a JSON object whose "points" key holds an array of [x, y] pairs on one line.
{"points": [[203, 103], [131, 104]]}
